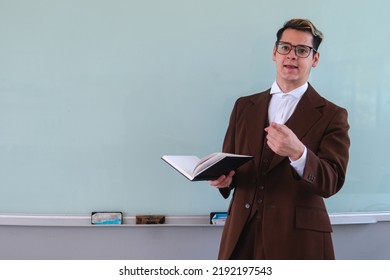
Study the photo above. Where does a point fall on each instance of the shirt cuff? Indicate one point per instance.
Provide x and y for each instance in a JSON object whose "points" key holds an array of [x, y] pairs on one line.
{"points": [[299, 164]]}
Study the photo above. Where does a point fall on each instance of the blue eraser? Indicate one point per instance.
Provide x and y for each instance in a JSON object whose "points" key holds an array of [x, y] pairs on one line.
{"points": [[218, 218], [106, 218]]}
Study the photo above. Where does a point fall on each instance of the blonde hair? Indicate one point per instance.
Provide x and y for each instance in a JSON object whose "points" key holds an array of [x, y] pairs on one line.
{"points": [[302, 25]]}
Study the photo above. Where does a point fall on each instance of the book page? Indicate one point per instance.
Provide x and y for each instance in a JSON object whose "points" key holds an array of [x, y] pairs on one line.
{"points": [[207, 161], [212, 159], [184, 164]]}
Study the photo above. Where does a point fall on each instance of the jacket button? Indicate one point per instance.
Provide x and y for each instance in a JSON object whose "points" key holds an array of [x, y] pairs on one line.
{"points": [[311, 177], [247, 206]]}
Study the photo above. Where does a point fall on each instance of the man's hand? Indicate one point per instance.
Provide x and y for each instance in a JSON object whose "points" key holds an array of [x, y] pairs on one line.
{"points": [[284, 142], [223, 181]]}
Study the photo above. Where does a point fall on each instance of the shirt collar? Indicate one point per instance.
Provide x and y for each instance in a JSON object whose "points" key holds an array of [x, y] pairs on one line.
{"points": [[297, 93]]}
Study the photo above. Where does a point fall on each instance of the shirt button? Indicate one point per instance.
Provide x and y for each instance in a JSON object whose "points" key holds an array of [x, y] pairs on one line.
{"points": [[247, 206], [259, 200], [261, 188]]}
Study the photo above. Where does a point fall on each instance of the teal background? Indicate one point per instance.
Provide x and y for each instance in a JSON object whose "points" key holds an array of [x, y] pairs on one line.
{"points": [[93, 93]]}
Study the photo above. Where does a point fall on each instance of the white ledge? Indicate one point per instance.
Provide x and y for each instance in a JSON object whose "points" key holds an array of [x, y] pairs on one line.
{"points": [[359, 218], [190, 220], [85, 220]]}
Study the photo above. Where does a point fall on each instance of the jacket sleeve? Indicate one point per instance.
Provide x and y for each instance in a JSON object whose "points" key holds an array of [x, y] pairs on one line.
{"points": [[327, 161], [229, 145]]}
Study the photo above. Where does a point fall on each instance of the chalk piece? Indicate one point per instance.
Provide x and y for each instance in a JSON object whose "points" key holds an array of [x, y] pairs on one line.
{"points": [[106, 218], [150, 219]]}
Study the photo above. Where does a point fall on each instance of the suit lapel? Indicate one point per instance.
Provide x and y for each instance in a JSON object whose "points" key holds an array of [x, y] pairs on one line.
{"points": [[304, 117], [306, 114], [257, 116]]}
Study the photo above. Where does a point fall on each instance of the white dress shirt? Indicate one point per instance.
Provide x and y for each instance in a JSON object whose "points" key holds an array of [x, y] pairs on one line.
{"points": [[281, 107]]}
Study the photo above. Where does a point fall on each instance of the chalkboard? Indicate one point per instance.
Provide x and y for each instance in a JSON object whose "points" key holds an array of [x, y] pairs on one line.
{"points": [[93, 93]]}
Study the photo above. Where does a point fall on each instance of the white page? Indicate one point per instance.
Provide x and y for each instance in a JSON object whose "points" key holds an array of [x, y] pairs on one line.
{"points": [[184, 164]]}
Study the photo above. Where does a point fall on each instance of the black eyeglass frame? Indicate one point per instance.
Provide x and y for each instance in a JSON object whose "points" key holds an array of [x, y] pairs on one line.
{"points": [[277, 43]]}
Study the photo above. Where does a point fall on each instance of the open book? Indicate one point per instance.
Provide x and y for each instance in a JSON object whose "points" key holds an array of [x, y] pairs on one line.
{"points": [[210, 167]]}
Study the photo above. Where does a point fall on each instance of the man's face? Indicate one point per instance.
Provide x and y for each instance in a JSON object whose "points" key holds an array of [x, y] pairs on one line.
{"points": [[293, 71]]}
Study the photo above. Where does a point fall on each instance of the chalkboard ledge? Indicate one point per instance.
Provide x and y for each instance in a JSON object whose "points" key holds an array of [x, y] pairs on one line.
{"points": [[66, 220]]}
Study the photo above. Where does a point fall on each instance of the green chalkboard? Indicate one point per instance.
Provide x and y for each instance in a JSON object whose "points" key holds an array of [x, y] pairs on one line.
{"points": [[94, 92]]}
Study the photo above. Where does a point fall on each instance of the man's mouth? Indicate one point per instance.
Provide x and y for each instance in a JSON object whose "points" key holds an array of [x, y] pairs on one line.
{"points": [[291, 66]]}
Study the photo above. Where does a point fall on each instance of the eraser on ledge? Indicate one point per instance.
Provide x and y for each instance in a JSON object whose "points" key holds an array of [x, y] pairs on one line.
{"points": [[106, 218], [218, 218], [149, 219]]}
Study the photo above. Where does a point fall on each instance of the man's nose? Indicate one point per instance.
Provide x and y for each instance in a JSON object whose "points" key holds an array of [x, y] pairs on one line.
{"points": [[292, 54]]}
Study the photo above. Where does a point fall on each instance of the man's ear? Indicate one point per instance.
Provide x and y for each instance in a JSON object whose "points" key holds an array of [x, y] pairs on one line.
{"points": [[316, 59], [274, 54]]}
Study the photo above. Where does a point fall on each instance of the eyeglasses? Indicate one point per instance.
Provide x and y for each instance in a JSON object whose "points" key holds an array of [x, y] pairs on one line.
{"points": [[300, 50]]}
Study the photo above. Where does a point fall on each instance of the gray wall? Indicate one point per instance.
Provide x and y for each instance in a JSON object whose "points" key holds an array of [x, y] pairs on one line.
{"points": [[369, 241]]}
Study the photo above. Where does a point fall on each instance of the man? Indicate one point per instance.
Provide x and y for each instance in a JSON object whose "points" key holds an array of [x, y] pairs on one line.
{"points": [[301, 146]]}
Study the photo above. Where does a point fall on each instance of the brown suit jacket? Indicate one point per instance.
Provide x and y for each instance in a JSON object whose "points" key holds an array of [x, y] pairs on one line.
{"points": [[296, 224]]}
